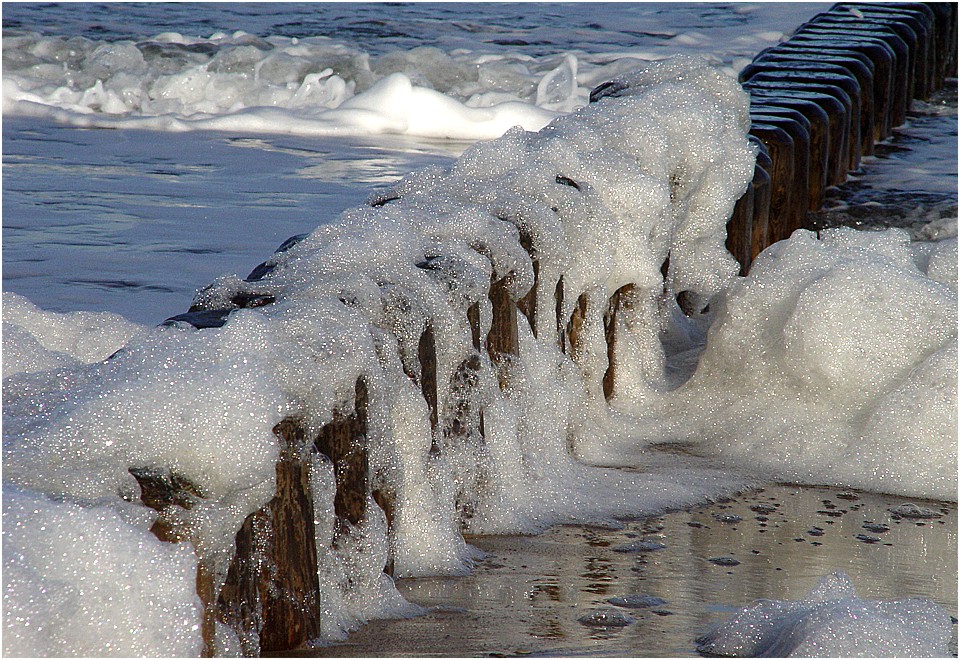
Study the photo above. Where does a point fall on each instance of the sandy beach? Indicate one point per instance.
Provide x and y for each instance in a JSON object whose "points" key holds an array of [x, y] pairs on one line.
{"points": [[529, 595]]}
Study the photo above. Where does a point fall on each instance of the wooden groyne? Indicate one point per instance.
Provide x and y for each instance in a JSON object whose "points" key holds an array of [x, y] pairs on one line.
{"points": [[819, 102]]}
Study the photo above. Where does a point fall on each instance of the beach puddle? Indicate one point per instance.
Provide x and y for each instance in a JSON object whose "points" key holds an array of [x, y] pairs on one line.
{"points": [[551, 594]]}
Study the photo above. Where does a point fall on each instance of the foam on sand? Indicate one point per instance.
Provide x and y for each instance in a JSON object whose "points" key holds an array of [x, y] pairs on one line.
{"points": [[832, 622]]}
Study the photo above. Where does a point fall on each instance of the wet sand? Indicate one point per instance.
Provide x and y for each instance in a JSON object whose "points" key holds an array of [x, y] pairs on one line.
{"points": [[526, 596]]}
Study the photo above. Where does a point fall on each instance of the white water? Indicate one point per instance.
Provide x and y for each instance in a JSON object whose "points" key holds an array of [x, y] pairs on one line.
{"points": [[204, 403], [323, 85]]}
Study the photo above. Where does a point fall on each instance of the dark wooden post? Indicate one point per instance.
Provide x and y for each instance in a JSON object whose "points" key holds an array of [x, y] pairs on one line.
{"points": [[621, 299], [344, 441], [760, 235], [272, 592], [797, 216], [819, 150], [739, 233], [780, 147], [838, 120], [503, 342]]}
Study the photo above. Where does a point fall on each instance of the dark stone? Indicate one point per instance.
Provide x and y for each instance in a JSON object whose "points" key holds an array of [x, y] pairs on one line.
{"points": [[612, 89], [210, 318]]}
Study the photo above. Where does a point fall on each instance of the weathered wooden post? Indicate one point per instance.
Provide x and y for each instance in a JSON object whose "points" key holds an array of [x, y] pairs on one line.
{"points": [[271, 593], [819, 153], [801, 167], [849, 67], [861, 132], [838, 120], [621, 299], [882, 55], [739, 232], [760, 229], [780, 147]]}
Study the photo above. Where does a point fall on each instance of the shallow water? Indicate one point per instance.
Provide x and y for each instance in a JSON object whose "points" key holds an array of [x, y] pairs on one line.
{"points": [[135, 222], [526, 596]]}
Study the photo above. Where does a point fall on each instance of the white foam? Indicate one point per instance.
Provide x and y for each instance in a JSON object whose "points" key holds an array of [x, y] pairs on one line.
{"points": [[600, 197], [832, 622], [833, 362], [35, 340], [94, 581]]}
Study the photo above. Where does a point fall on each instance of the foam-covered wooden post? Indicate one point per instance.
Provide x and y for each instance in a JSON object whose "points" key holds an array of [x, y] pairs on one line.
{"points": [[344, 441], [503, 342], [271, 596], [621, 299]]}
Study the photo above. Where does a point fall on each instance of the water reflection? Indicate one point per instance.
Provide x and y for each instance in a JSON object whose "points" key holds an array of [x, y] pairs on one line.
{"points": [[529, 592]]}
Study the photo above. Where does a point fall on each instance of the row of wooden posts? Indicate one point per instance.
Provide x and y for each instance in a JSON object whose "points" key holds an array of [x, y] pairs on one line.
{"points": [[819, 102]]}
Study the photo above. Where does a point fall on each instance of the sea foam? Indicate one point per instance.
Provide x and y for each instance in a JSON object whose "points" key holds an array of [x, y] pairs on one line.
{"points": [[599, 197], [815, 349], [833, 362], [832, 622]]}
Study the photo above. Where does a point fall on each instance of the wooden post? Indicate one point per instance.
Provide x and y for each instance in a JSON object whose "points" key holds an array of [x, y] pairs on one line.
{"points": [[780, 147], [819, 149], [760, 234], [837, 119], [862, 130], [850, 159], [620, 299], [882, 55], [502, 340], [904, 26], [797, 216], [344, 441], [272, 592], [739, 233], [842, 66]]}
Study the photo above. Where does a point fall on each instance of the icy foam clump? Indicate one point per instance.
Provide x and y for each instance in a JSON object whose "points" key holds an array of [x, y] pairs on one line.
{"points": [[35, 340], [834, 362], [93, 581], [831, 622]]}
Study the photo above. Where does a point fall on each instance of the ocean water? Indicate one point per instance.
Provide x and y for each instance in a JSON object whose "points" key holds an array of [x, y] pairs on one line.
{"points": [[134, 222], [150, 150]]}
